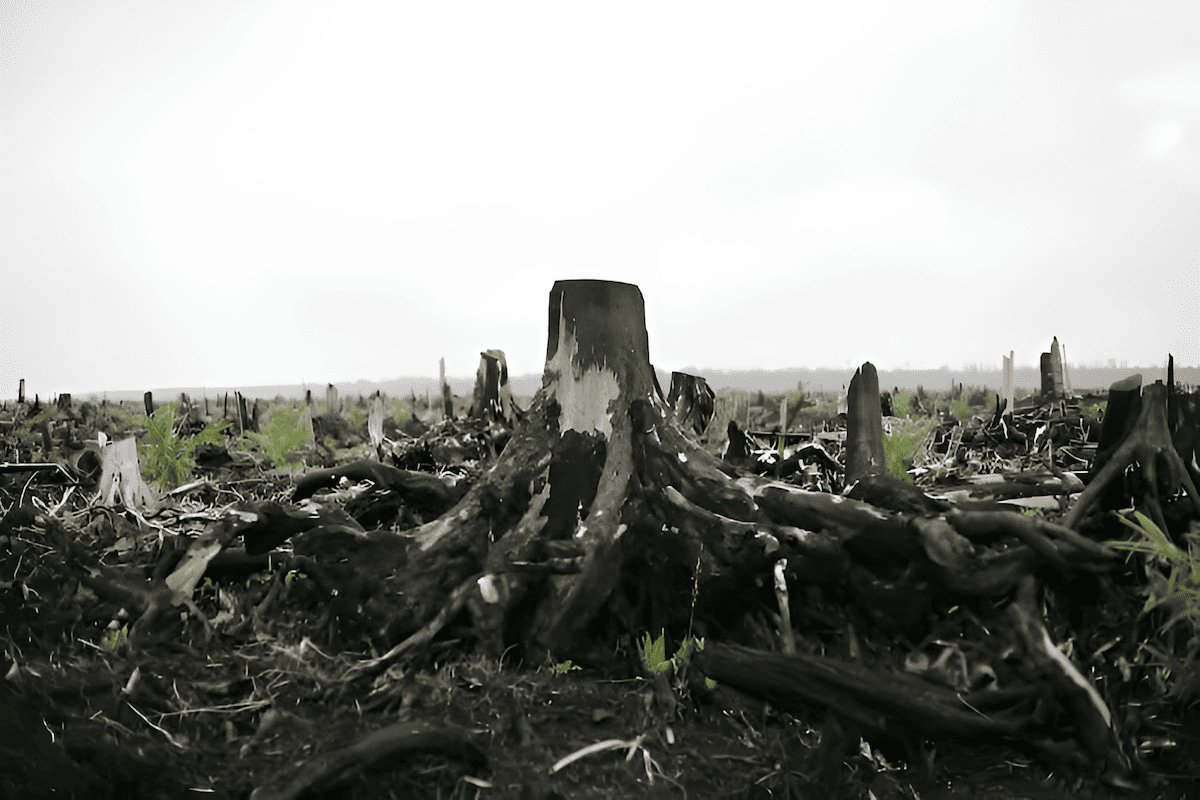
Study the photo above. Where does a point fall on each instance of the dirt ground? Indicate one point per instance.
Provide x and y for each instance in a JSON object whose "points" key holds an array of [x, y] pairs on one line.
{"points": [[253, 707]]}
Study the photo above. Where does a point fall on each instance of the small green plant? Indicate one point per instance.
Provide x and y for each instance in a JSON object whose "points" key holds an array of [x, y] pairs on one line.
{"points": [[283, 435], [113, 639], [903, 444], [562, 668], [654, 653], [358, 418], [961, 411], [1179, 592], [1032, 512], [401, 413], [902, 405], [167, 458]]}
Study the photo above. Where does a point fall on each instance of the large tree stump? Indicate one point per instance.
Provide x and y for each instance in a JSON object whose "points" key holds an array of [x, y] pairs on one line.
{"points": [[603, 509], [1145, 441], [558, 498]]}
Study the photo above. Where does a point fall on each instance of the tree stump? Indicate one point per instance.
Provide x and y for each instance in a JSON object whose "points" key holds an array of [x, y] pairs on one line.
{"points": [[121, 475], [864, 426], [1146, 441], [375, 426], [492, 398], [1124, 406], [1052, 374], [603, 510], [331, 400], [692, 400]]}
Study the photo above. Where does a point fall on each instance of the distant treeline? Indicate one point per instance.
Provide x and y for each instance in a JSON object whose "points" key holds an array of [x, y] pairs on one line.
{"points": [[783, 380]]}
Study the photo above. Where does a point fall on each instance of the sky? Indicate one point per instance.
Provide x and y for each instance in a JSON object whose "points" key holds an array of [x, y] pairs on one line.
{"points": [[253, 193]]}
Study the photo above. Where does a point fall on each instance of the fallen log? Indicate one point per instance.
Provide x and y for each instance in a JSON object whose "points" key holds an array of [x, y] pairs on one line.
{"points": [[380, 750], [889, 703]]}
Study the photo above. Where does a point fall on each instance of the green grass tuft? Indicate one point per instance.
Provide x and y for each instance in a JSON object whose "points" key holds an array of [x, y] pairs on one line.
{"points": [[904, 443]]}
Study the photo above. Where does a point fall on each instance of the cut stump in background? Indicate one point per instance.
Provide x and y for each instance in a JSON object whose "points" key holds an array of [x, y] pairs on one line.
{"points": [[493, 398], [692, 400], [121, 473], [864, 426]]}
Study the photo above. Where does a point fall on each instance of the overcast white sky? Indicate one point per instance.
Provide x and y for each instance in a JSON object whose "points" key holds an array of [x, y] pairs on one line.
{"points": [[248, 193]]}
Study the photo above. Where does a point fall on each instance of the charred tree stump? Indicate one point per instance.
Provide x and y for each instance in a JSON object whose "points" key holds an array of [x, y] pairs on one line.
{"points": [[534, 548], [738, 449], [1123, 408], [493, 399], [1185, 431], [864, 426], [245, 421], [692, 400], [603, 509], [1183, 418], [1052, 374], [1146, 441]]}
